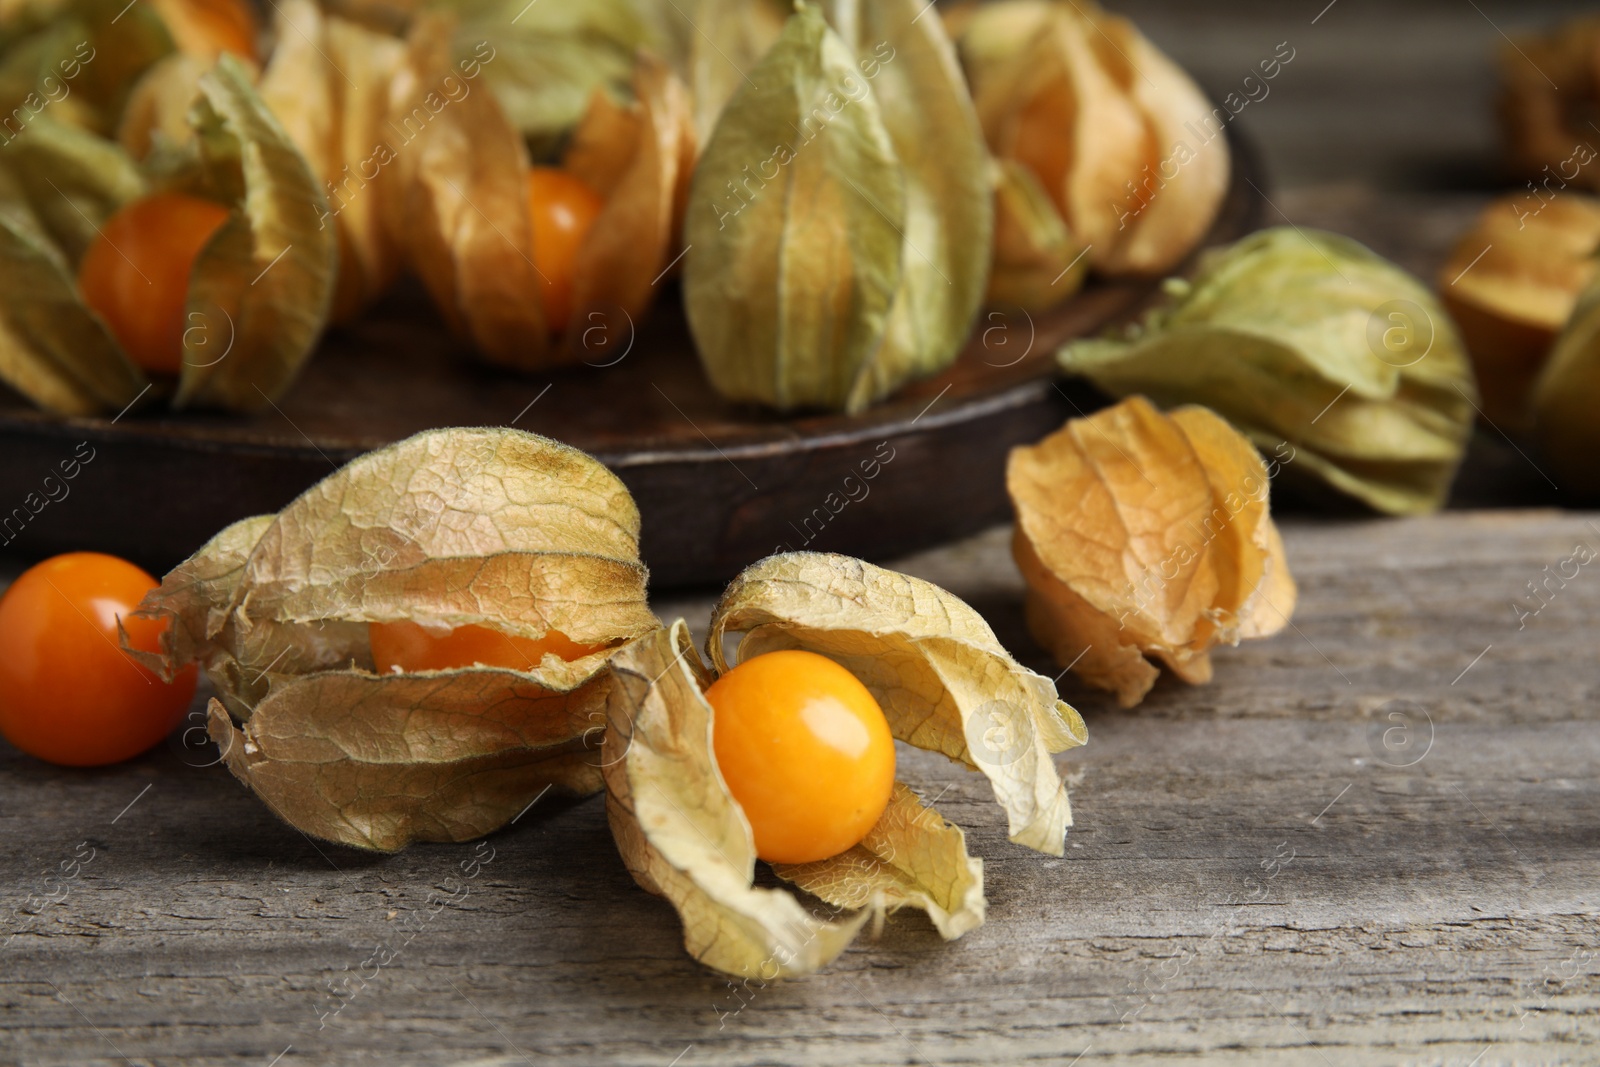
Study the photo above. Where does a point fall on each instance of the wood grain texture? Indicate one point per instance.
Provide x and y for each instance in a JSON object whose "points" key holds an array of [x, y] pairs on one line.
{"points": [[1253, 877]]}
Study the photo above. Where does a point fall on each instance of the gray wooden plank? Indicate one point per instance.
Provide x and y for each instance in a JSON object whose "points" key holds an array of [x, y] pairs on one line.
{"points": [[1253, 876]]}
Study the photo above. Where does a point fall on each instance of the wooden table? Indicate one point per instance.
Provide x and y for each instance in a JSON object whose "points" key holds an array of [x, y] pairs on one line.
{"points": [[1373, 838]]}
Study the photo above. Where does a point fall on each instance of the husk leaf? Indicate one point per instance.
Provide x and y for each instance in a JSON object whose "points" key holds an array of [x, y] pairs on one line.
{"points": [[73, 180], [911, 69], [727, 42], [1178, 196], [271, 270], [911, 857], [1037, 262], [789, 293], [1141, 534], [642, 177], [1566, 396], [53, 350], [1293, 336], [463, 208], [379, 762], [944, 681], [156, 117], [328, 85], [552, 56]]}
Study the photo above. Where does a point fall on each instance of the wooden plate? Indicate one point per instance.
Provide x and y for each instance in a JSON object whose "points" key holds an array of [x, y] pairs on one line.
{"points": [[718, 485]]}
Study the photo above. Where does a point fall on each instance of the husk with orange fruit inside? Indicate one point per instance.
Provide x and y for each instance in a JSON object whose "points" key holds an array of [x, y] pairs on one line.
{"points": [[461, 208], [945, 684], [487, 528], [1109, 125]]}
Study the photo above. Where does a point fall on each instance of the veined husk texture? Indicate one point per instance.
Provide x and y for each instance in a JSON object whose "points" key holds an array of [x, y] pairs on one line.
{"points": [[482, 527], [1122, 140], [462, 205], [1511, 284], [840, 214], [1324, 354], [260, 290], [1143, 535], [945, 685]]}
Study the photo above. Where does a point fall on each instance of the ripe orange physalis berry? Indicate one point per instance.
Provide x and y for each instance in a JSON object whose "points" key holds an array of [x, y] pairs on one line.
{"points": [[409, 646], [69, 693], [561, 208], [805, 751], [208, 28], [136, 273]]}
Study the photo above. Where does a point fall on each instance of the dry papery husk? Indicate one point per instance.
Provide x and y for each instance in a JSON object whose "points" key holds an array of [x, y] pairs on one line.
{"points": [[260, 288], [945, 684], [1115, 131], [1511, 284], [328, 83], [463, 205], [1037, 261], [1549, 89], [841, 212], [1146, 535], [487, 527]]}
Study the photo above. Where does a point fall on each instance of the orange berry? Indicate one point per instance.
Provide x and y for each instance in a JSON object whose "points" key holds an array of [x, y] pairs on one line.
{"points": [[136, 273], [806, 752]]}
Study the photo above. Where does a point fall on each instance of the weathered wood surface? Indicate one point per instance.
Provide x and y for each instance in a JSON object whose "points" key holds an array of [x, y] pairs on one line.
{"points": [[1256, 874]]}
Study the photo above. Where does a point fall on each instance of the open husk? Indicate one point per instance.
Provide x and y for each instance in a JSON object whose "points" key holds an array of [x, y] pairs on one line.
{"points": [[1146, 535], [259, 292], [944, 684], [462, 205], [492, 528], [1511, 284], [1122, 140], [943, 679]]}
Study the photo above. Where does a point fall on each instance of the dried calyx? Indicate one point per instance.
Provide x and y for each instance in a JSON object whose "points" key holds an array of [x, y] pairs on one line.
{"points": [[1511, 284], [265, 278], [1325, 355], [835, 210], [454, 528], [1146, 536], [1124, 143], [944, 683], [462, 204]]}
